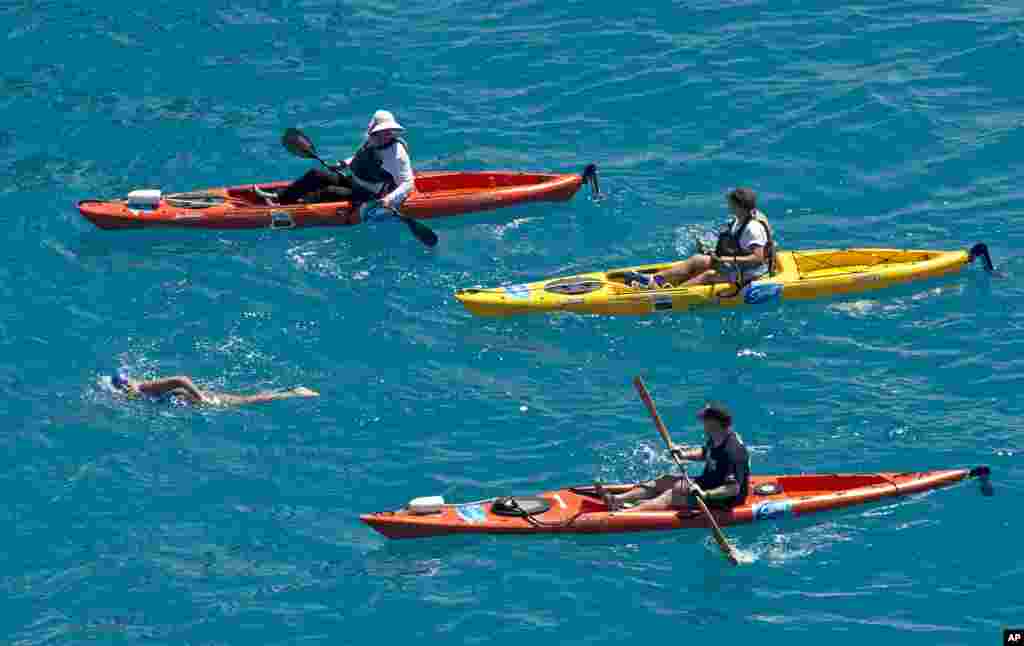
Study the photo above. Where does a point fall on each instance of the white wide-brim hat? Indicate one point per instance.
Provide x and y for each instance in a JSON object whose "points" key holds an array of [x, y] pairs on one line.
{"points": [[383, 120]]}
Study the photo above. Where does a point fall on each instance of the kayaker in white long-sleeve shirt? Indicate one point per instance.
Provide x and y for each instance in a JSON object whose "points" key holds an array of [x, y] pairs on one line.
{"points": [[381, 170]]}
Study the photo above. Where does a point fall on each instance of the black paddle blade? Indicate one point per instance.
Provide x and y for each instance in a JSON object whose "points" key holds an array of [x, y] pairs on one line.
{"points": [[298, 144], [422, 232]]}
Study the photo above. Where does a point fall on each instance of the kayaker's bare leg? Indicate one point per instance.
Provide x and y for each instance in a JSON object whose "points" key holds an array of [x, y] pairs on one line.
{"points": [[683, 272], [708, 277], [228, 399], [643, 491], [675, 497]]}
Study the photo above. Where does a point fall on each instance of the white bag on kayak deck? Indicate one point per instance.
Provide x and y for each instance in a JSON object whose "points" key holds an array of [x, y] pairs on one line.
{"points": [[144, 199], [426, 505]]}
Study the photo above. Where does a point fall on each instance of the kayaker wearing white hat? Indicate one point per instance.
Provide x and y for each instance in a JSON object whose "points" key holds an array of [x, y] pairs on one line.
{"points": [[380, 169]]}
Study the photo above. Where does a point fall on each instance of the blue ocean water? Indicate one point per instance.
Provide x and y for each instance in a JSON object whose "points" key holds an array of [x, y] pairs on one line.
{"points": [[874, 124]]}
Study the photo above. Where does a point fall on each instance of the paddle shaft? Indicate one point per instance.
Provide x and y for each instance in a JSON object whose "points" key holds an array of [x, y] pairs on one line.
{"points": [[723, 543], [326, 165]]}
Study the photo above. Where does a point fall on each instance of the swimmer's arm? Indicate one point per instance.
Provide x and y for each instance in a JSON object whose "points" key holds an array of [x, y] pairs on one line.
{"points": [[182, 383]]}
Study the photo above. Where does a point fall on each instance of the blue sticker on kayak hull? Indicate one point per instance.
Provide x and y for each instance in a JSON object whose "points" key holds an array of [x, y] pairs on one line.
{"points": [[377, 215], [518, 291], [471, 513], [762, 293], [773, 509], [662, 303]]}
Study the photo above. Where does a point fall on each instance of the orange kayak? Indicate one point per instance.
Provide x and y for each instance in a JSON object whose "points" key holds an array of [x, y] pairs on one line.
{"points": [[582, 510], [437, 194]]}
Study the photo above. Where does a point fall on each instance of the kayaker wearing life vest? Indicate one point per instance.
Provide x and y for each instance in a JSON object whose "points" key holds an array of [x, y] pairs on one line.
{"points": [[744, 251], [380, 170], [726, 471], [183, 388]]}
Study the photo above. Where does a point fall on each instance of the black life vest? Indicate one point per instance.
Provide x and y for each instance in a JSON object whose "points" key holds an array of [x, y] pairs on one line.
{"points": [[368, 164], [728, 243]]}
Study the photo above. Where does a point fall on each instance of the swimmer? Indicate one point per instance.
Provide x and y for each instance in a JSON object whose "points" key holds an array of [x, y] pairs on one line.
{"points": [[183, 388]]}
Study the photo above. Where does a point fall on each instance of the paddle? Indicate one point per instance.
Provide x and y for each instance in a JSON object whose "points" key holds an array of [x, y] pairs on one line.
{"points": [[298, 144], [422, 232], [727, 549]]}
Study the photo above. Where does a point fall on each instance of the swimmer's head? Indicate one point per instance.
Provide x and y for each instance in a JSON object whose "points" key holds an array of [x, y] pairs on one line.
{"points": [[120, 380]]}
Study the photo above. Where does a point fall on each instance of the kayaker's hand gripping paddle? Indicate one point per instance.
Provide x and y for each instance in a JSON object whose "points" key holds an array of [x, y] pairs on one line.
{"points": [[298, 144], [727, 549]]}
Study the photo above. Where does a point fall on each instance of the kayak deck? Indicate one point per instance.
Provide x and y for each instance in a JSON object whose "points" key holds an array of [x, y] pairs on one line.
{"points": [[798, 275], [582, 510], [436, 194]]}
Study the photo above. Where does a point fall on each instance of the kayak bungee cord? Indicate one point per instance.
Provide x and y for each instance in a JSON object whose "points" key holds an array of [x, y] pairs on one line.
{"points": [[528, 516], [595, 281], [821, 261]]}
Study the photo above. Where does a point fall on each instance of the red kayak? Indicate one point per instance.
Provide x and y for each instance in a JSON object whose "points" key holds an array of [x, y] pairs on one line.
{"points": [[437, 194], [582, 510]]}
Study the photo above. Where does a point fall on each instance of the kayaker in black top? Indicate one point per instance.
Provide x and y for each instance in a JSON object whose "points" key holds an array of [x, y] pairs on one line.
{"points": [[725, 479], [380, 170], [744, 251], [184, 389]]}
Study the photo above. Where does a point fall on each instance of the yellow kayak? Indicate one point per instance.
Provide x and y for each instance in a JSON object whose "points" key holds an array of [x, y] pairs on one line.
{"points": [[798, 275]]}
